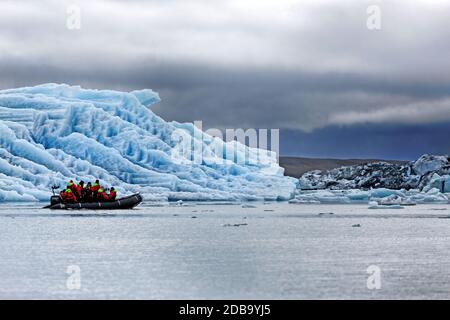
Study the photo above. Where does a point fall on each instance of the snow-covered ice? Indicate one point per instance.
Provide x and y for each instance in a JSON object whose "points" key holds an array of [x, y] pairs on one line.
{"points": [[52, 133]]}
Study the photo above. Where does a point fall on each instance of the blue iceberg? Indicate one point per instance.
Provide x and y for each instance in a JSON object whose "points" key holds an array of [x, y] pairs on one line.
{"points": [[52, 133]]}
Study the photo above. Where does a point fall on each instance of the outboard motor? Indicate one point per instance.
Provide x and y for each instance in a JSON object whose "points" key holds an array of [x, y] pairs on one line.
{"points": [[54, 200]]}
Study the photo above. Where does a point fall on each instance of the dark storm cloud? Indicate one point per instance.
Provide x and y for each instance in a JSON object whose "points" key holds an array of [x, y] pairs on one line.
{"points": [[373, 141], [246, 98], [300, 65]]}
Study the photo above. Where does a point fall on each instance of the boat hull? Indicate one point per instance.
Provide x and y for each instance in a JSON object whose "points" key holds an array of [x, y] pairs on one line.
{"points": [[128, 202]]}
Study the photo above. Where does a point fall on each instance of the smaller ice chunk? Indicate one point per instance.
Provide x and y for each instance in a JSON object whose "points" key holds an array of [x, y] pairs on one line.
{"points": [[383, 192], [323, 196], [376, 205], [429, 163]]}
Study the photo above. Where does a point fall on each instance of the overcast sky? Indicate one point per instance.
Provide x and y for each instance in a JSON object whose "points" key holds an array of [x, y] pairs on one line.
{"points": [[311, 68]]}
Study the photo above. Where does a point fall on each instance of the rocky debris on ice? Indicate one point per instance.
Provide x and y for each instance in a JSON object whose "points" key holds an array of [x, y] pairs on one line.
{"points": [[426, 180], [427, 172]]}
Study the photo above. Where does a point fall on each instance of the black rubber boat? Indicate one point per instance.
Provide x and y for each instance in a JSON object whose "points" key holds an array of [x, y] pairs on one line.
{"points": [[128, 202]]}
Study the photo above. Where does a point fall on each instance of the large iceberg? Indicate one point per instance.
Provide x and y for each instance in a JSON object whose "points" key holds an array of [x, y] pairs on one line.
{"points": [[52, 133]]}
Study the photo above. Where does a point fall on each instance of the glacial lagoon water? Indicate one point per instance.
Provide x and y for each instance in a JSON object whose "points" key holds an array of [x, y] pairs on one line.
{"points": [[225, 251]]}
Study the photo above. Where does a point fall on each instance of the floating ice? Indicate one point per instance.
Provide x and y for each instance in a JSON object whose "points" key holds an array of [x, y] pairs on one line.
{"points": [[52, 133], [429, 163], [380, 196], [376, 205]]}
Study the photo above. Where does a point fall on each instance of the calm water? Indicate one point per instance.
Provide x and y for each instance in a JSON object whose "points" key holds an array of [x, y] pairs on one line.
{"points": [[277, 251]]}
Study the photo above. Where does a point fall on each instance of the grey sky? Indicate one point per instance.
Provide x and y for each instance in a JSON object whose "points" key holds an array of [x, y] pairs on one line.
{"points": [[298, 65]]}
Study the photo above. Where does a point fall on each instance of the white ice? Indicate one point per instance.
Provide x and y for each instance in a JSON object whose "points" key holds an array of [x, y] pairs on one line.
{"points": [[380, 196]]}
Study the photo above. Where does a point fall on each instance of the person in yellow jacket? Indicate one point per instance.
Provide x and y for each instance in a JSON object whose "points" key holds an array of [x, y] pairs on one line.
{"points": [[68, 196], [101, 195]]}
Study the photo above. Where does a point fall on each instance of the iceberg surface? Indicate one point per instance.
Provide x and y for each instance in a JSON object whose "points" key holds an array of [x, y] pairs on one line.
{"points": [[426, 180], [52, 133], [425, 173]]}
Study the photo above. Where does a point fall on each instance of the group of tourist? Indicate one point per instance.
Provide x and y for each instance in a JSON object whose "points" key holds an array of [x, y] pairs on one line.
{"points": [[80, 192]]}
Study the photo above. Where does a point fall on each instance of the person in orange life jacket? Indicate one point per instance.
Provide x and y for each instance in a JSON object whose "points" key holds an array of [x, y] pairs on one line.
{"points": [[96, 186], [80, 190], [94, 189], [68, 196], [112, 194], [101, 195]]}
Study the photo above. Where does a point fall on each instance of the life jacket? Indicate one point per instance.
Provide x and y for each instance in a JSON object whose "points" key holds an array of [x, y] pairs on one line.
{"points": [[80, 190], [68, 196], [101, 195], [95, 187], [112, 195]]}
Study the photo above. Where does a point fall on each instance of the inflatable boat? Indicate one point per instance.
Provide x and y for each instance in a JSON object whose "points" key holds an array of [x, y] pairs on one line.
{"points": [[128, 202]]}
